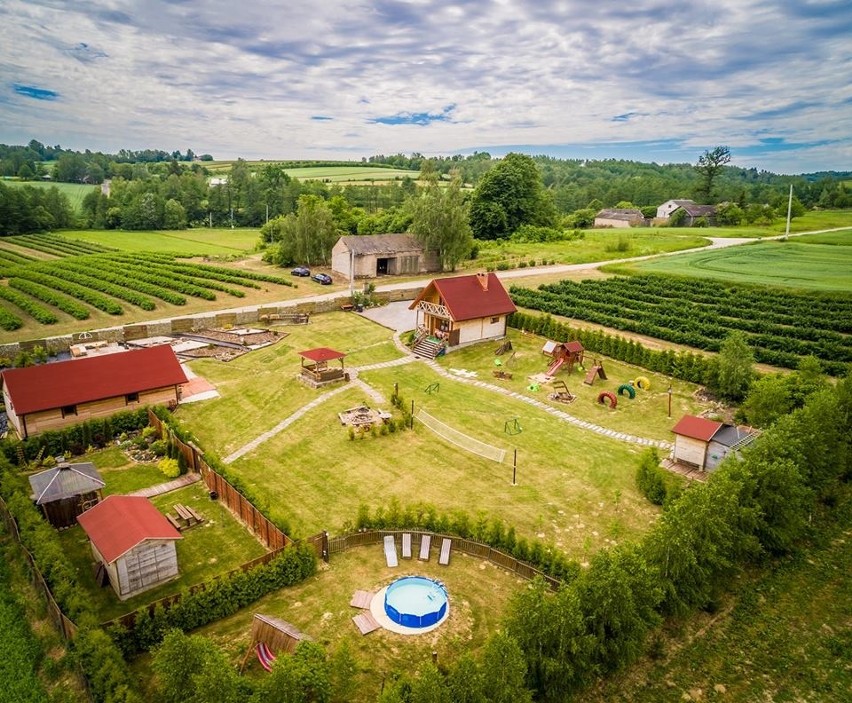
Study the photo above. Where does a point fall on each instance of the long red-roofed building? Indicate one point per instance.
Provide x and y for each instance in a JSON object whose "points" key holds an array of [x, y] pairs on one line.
{"points": [[463, 310], [52, 396], [134, 541]]}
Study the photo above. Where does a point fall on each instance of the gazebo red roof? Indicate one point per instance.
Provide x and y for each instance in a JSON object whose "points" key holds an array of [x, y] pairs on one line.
{"points": [[118, 523], [322, 354], [697, 427], [49, 386]]}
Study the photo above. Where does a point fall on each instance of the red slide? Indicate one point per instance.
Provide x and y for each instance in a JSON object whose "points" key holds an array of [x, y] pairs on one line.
{"points": [[554, 367]]}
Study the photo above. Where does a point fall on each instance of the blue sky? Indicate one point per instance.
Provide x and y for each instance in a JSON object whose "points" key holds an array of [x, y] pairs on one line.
{"points": [[655, 80]]}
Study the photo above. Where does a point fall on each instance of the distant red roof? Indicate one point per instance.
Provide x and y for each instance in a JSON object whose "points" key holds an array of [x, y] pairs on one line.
{"points": [[696, 427], [119, 523], [322, 354], [467, 299], [63, 383]]}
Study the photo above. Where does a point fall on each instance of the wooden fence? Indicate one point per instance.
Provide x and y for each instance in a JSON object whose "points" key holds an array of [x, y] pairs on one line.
{"points": [[62, 622], [255, 521], [340, 544]]}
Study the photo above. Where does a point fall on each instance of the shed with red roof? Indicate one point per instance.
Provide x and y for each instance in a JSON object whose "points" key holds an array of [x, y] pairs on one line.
{"points": [[462, 310], [134, 541], [52, 396], [705, 443]]}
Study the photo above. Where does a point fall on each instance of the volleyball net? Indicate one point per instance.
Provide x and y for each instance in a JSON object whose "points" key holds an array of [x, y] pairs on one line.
{"points": [[461, 440]]}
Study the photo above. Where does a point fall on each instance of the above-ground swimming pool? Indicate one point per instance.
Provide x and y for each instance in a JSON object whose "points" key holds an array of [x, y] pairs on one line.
{"points": [[414, 601]]}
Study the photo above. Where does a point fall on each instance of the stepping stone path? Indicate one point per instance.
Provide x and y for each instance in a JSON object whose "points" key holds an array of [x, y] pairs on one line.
{"points": [[167, 487]]}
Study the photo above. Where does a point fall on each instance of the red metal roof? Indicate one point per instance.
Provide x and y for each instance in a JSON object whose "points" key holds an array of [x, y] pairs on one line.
{"points": [[697, 427], [574, 346], [63, 383], [118, 523], [322, 354], [467, 299]]}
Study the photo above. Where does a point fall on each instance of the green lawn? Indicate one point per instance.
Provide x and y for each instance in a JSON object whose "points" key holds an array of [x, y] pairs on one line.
{"points": [[260, 389], [214, 548], [75, 192], [795, 263], [184, 242], [320, 608]]}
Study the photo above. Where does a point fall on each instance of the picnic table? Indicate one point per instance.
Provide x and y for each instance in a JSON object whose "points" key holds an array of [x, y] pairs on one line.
{"points": [[186, 517]]}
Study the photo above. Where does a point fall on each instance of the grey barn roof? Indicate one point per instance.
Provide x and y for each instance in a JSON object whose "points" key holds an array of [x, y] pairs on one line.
{"points": [[65, 481], [730, 436], [381, 244], [621, 214]]}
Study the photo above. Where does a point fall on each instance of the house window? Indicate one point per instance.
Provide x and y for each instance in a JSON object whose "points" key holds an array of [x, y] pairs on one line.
{"points": [[69, 410], [495, 320], [131, 398]]}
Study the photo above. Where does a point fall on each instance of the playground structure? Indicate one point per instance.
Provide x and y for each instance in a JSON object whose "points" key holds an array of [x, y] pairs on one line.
{"points": [[561, 393], [627, 389], [643, 383], [271, 637], [605, 396], [596, 370], [563, 354]]}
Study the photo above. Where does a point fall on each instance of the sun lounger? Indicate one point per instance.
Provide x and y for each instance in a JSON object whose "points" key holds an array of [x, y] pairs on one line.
{"points": [[265, 656], [425, 546], [390, 551], [446, 545], [406, 545]]}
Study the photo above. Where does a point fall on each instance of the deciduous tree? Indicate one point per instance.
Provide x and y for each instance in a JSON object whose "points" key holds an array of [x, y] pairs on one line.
{"points": [[709, 166], [440, 220]]}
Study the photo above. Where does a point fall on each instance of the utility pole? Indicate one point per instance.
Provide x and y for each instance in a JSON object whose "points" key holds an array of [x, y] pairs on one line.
{"points": [[789, 210]]}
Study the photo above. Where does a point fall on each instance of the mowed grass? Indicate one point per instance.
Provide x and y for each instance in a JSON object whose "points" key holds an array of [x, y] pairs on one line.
{"points": [[259, 389], [185, 242], [75, 192], [784, 636], [207, 550], [334, 174], [319, 607], [792, 263]]}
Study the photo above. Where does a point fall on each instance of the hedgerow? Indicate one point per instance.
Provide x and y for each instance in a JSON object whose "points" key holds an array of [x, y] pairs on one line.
{"points": [[59, 246], [28, 305], [82, 278], [8, 321], [43, 290], [154, 268]]}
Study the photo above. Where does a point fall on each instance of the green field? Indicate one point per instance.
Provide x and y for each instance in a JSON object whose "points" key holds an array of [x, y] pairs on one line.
{"points": [[75, 192], [796, 263], [186, 242], [330, 174]]}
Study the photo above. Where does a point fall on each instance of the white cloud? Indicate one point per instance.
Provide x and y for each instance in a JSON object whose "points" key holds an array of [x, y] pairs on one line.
{"points": [[245, 79]]}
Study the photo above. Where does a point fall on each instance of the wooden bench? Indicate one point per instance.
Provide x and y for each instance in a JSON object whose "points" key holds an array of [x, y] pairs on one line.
{"points": [[198, 517], [186, 515], [347, 307], [174, 522]]}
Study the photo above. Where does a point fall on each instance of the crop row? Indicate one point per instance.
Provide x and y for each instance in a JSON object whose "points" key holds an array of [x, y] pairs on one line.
{"points": [[8, 321], [28, 305], [50, 280], [15, 258], [206, 270], [146, 274], [166, 274], [58, 246], [83, 276], [50, 296], [116, 275], [690, 325]]}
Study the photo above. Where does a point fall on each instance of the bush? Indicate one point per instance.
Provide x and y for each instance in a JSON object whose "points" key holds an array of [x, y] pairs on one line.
{"points": [[649, 477], [169, 467], [159, 447]]}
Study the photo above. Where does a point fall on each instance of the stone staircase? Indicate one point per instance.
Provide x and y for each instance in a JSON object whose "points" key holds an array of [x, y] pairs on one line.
{"points": [[427, 348]]}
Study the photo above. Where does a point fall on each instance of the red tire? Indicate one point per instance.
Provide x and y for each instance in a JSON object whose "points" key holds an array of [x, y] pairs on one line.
{"points": [[606, 395]]}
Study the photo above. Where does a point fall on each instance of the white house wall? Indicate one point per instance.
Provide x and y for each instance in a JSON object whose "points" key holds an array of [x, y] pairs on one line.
{"points": [[689, 450], [482, 328]]}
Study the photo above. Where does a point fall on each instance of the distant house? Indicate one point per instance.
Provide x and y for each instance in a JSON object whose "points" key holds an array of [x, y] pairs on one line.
{"points": [[381, 255], [619, 217], [703, 443], [133, 541], [65, 491], [52, 396], [692, 211], [458, 311]]}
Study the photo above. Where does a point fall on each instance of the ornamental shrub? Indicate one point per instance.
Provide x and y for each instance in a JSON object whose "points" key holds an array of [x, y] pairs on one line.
{"points": [[169, 467]]}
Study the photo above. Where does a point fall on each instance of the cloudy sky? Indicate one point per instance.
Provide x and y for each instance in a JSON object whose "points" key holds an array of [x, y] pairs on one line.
{"points": [[650, 80]]}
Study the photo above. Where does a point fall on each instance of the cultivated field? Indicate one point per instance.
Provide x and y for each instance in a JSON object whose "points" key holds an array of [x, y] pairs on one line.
{"points": [[367, 174], [812, 262], [216, 242]]}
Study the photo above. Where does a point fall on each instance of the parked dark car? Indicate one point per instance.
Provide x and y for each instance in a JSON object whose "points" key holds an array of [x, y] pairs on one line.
{"points": [[323, 278], [300, 271]]}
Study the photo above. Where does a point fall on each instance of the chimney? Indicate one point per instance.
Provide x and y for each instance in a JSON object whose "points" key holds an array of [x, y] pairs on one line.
{"points": [[483, 280]]}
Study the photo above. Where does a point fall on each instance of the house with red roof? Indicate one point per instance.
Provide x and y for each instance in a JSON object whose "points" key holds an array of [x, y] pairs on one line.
{"points": [[458, 311], [133, 541], [703, 443], [53, 396]]}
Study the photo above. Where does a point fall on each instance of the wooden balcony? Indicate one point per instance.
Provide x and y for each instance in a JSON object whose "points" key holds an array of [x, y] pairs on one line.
{"points": [[434, 309]]}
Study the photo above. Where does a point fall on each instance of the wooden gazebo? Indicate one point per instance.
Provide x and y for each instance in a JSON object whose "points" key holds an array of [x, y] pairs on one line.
{"points": [[66, 491], [315, 366]]}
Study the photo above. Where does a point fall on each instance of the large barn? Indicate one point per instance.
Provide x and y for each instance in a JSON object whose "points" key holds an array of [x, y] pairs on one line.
{"points": [[369, 256], [134, 541], [455, 312], [53, 396]]}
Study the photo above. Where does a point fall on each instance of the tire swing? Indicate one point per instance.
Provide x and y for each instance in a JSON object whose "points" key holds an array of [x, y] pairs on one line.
{"points": [[606, 395], [643, 383], [627, 389]]}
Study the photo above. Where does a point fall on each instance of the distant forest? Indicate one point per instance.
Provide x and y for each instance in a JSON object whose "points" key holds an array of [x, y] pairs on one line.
{"points": [[157, 189]]}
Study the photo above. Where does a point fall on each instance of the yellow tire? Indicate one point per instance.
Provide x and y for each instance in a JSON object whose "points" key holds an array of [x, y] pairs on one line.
{"points": [[643, 383]]}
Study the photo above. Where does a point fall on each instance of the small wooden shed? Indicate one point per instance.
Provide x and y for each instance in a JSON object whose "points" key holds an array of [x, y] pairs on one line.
{"points": [[280, 636], [134, 542], [703, 443], [66, 491]]}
